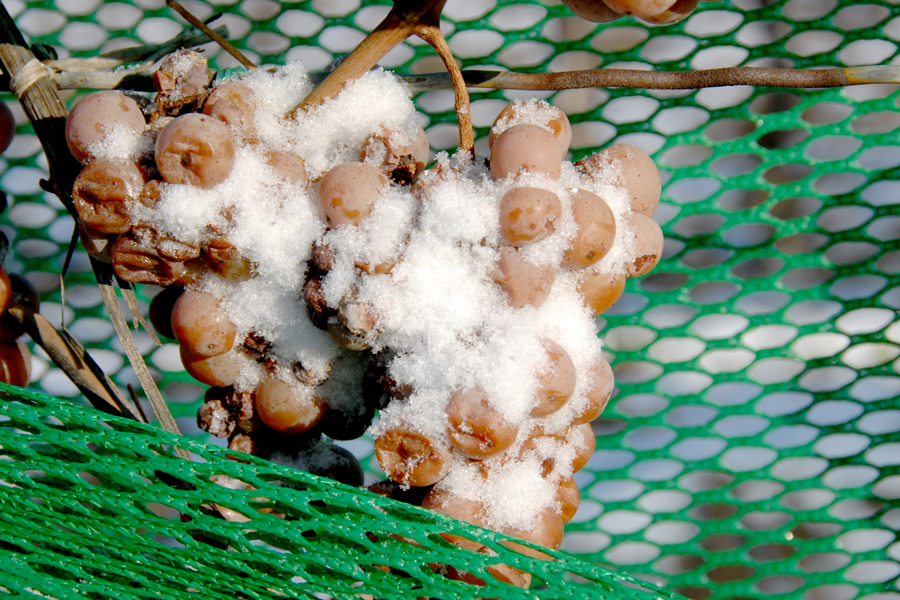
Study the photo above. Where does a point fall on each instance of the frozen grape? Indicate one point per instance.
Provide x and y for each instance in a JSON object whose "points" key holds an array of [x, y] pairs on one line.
{"points": [[678, 11], [599, 391], [581, 439], [182, 73], [567, 498], [97, 116], [288, 167], [596, 230], [15, 363], [5, 290], [200, 326], [640, 8], [525, 283], [555, 383], [24, 296], [224, 259], [325, 460], [649, 241], [287, 408], [447, 503], [135, 258], [95, 243], [104, 192], [554, 118], [637, 172], [411, 458], [348, 192], [475, 427], [234, 104], [218, 371], [160, 311], [601, 290], [592, 10], [196, 150], [528, 215], [547, 532], [7, 127], [527, 148]]}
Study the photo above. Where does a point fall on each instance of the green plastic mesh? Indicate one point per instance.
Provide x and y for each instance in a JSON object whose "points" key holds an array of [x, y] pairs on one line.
{"points": [[752, 446]]}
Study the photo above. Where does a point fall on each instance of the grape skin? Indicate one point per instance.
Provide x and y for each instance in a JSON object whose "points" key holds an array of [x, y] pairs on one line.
{"points": [[218, 371], [556, 382], [523, 282], [196, 150], [598, 394], [235, 105], [199, 325], [15, 363], [95, 116], [649, 241], [601, 290], [527, 148], [528, 215], [596, 230], [348, 192], [638, 174], [103, 194], [285, 409], [475, 427], [557, 121], [410, 458]]}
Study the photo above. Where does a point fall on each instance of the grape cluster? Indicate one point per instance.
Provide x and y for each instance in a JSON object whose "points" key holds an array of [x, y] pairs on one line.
{"points": [[325, 284], [660, 12]]}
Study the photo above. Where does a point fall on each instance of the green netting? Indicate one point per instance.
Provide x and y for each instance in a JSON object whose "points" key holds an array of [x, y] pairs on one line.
{"points": [[753, 444]]}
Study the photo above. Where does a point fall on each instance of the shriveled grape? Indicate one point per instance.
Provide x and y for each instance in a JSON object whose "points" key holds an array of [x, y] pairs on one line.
{"points": [[475, 427], [596, 230], [196, 150], [592, 10], [98, 115], [677, 12], [24, 296], [525, 148], [104, 192], [348, 192], [288, 408], [160, 311], [528, 215], [412, 458], [640, 8], [200, 326]]}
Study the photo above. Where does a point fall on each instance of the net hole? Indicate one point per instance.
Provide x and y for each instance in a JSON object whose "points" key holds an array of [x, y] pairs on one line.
{"points": [[876, 122], [791, 436], [826, 113], [823, 562], [804, 279], [839, 591], [775, 370], [764, 521], [682, 383], [694, 592], [841, 445], [848, 253], [691, 415], [779, 584], [756, 268], [757, 490], [642, 405], [632, 553], [810, 43], [619, 39], [723, 542], [738, 426], [889, 263], [774, 101], [801, 468], [730, 573], [853, 509], [735, 200], [729, 129], [560, 29], [787, 173], [858, 286], [666, 316], [671, 532], [695, 449], [634, 371], [679, 156], [663, 282], [697, 225], [664, 501], [736, 164], [703, 258], [833, 147], [783, 403], [714, 292], [712, 512], [674, 564]]}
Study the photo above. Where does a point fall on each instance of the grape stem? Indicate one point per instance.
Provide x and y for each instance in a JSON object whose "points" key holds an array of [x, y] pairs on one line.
{"points": [[405, 19]]}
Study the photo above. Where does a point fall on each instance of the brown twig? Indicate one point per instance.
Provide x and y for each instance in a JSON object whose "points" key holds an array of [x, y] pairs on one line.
{"points": [[190, 18]]}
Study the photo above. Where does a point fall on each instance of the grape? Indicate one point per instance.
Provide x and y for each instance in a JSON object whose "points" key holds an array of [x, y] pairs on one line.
{"points": [[548, 533], [223, 259], [348, 191], [411, 458], [528, 215], [182, 73], [638, 174], [555, 383], [288, 167], [523, 282], [199, 325], [95, 243], [526, 148], [7, 127], [214, 418], [567, 498], [596, 230], [135, 258], [447, 503], [325, 460], [234, 104], [557, 121], [345, 338], [15, 363], [5, 290], [96, 116], [598, 393], [640, 8], [592, 10], [601, 290], [24, 296], [678, 11], [582, 440], [649, 241], [103, 194], [218, 371], [288, 408], [476, 428], [161, 310], [393, 490], [195, 149], [347, 421]]}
